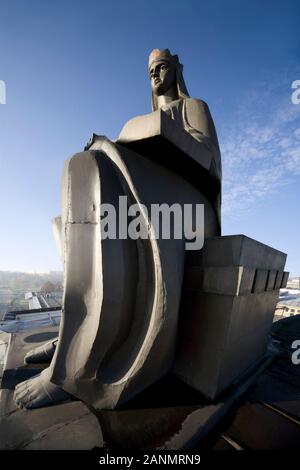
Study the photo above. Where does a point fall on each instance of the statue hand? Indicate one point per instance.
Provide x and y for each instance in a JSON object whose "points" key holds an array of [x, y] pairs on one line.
{"points": [[91, 141]]}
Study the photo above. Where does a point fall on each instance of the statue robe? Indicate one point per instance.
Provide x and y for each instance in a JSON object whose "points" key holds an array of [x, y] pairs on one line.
{"points": [[121, 299]]}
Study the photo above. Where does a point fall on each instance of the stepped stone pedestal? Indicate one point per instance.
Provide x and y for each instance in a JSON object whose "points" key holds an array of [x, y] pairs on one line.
{"points": [[228, 303]]}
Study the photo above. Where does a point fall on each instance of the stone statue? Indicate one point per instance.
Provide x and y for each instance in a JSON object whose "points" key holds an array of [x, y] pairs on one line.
{"points": [[121, 296]]}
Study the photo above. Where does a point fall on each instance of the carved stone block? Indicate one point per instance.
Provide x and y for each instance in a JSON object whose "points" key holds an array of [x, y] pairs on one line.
{"points": [[225, 322]]}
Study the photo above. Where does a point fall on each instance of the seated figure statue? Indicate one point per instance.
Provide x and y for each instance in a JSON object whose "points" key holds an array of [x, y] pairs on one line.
{"points": [[121, 301]]}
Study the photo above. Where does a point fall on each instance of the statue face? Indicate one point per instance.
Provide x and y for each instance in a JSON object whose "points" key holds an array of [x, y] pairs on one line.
{"points": [[162, 75]]}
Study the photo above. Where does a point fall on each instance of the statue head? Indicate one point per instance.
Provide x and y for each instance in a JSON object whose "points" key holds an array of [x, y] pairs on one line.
{"points": [[165, 72]]}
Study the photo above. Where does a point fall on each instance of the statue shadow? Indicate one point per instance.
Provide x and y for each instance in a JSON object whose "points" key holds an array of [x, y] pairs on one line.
{"points": [[12, 377]]}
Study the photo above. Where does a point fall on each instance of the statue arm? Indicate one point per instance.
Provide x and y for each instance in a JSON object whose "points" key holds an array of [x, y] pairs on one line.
{"points": [[140, 127], [199, 123]]}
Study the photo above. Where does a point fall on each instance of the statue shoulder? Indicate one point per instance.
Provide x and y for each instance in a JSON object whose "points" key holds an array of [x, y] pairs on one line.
{"points": [[197, 102], [196, 109], [197, 116]]}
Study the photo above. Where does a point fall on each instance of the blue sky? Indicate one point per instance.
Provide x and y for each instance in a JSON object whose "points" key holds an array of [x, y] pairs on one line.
{"points": [[76, 67]]}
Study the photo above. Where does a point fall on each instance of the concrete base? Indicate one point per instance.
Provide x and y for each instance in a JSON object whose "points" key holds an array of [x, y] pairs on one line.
{"points": [[168, 415]]}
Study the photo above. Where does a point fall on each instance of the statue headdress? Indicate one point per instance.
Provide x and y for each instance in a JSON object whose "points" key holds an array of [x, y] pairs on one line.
{"points": [[157, 55]]}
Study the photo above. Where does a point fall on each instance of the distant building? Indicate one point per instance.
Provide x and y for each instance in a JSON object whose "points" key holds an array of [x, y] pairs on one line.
{"points": [[293, 283], [289, 302], [287, 310]]}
